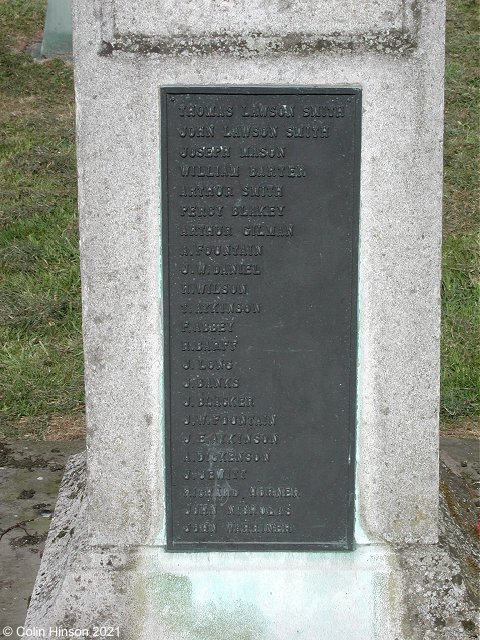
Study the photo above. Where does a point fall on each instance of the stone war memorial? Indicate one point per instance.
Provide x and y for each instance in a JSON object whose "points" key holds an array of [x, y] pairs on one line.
{"points": [[260, 218]]}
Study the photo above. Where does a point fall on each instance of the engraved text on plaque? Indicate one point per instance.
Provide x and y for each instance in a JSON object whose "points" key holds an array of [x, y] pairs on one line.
{"points": [[260, 234]]}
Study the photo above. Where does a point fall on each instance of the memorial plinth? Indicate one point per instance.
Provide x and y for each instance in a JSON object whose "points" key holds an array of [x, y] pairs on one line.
{"points": [[260, 216]]}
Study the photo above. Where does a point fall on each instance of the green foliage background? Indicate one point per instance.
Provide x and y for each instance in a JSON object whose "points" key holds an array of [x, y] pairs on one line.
{"points": [[41, 367]]}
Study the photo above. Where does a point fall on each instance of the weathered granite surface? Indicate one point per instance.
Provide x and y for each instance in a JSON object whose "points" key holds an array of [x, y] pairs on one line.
{"points": [[118, 142], [124, 52], [245, 29]]}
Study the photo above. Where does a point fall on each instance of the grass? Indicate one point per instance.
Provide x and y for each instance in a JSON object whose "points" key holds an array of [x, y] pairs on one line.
{"points": [[462, 128], [41, 357], [460, 375], [460, 333]]}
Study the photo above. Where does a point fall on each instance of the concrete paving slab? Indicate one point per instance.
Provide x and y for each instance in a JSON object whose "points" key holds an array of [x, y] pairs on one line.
{"points": [[30, 474], [465, 452]]}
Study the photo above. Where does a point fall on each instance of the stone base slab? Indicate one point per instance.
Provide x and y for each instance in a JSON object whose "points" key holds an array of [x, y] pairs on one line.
{"points": [[148, 593]]}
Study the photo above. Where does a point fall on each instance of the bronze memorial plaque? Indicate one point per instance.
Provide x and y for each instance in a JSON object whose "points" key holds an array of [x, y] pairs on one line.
{"points": [[260, 199]]}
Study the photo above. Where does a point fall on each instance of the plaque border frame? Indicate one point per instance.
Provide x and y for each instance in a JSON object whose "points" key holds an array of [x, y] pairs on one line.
{"points": [[205, 546]]}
